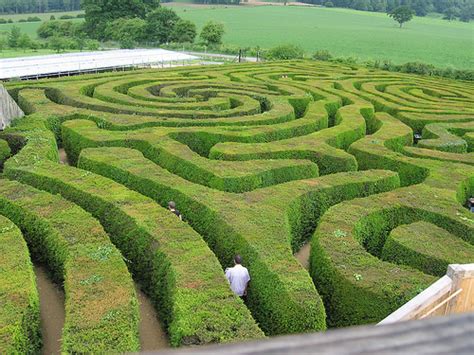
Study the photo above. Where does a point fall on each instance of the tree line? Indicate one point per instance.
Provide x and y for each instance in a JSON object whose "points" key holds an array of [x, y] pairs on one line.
{"points": [[129, 23], [36, 6], [138, 22], [464, 9]]}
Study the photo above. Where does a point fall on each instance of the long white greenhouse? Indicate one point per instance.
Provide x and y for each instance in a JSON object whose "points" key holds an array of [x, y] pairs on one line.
{"points": [[72, 63]]}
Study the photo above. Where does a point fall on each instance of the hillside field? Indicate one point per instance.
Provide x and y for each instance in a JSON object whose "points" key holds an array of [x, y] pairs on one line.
{"points": [[344, 32], [365, 35]]}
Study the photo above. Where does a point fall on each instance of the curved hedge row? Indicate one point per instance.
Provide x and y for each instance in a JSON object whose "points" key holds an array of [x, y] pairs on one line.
{"points": [[271, 298], [431, 252], [181, 160], [19, 311], [149, 237], [101, 305], [240, 149], [356, 286]]}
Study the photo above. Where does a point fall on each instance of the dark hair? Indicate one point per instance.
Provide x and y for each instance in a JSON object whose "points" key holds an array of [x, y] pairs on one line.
{"points": [[238, 259], [171, 204]]}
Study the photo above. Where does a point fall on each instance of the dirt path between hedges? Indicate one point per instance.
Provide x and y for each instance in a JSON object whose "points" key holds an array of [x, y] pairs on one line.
{"points": [[303, 255], [152, 335], [63, 157], [51, 311]]}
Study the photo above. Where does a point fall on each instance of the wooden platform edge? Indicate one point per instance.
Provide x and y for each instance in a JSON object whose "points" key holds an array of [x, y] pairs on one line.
{"points": [[437, 335]]}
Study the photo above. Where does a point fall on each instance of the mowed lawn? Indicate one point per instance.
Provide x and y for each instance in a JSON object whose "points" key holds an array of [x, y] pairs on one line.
{"points": [[31, 27], [364, 35], [16, 53]]}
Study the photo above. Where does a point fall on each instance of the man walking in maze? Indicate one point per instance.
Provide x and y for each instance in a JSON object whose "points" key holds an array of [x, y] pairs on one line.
{"points": [[172, 208], [238, 277]]}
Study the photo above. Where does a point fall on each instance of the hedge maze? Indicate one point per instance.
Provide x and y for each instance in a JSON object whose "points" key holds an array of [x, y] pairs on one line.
{"points": [[260, 159]]}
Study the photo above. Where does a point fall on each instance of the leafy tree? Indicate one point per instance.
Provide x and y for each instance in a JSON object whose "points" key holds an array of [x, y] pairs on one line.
{"points": [[34, 45], [322, 55], [401, 14], [362, 5], [92, 44], [467, 13], [128, 32], [99, 13], [3, 44], [420, 7], [79, 42], [451, 13], [24, 41], [14, 36], [160, 24], [59, 28], [285, 52], [58, 43], [34, 6], [212, 32], [184, 31]]}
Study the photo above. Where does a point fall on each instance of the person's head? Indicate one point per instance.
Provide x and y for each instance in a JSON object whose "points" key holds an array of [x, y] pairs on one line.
{"points": [[172, 205], [237, 259]]}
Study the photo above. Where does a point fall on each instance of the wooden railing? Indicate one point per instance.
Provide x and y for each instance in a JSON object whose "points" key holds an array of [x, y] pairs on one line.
{"points": [[453, 293]]}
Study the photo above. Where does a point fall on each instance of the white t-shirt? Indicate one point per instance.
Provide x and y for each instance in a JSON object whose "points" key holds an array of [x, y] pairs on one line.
{"points": [[238, 277]]}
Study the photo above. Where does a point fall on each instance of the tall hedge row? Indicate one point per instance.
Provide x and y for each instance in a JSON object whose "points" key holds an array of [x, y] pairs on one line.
{"points": [[162, 253], [19, 311], [101, 305]]}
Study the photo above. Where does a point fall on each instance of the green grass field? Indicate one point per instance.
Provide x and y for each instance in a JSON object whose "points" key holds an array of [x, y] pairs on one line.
{"points": [[13, 53], [343, 32], [363, 35], [31, 27], [43, 16]]}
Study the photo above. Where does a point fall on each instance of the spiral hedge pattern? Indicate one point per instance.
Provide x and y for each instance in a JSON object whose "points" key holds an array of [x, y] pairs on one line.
{"points": [[260, 159]]}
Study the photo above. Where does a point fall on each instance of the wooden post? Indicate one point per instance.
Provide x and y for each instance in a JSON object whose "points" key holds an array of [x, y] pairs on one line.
{"points": [[453, 293], [462, 279]]}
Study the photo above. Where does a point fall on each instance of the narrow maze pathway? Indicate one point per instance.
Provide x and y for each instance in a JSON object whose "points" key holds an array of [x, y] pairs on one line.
{"points": [[303, 255], [51, 311], [152, 335], [63, 157]]}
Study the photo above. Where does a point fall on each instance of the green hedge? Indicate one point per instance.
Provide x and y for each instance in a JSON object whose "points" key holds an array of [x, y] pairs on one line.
{"points": [[19, 311], [101, 305], [163, 254], [273, 304], [274, 298], [5, 151], [300, 113], [31, 98], [382, 150], [438, 136], [322, 147], [178, 158], [427, 248], [356, 286]]}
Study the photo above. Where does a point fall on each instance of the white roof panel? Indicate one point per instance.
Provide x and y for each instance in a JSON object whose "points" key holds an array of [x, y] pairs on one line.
{"points": [[85, 61]]}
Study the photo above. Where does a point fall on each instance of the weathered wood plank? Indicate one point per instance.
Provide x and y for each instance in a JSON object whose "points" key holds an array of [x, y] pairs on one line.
{"points": [[438, 335]]}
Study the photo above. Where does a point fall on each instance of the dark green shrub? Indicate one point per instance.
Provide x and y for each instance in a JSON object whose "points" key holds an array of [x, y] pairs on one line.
{"points": [[322, 55], [284, 52], [66, 17]]}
